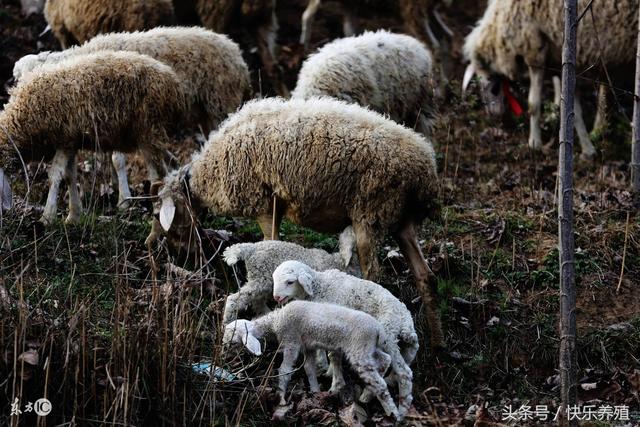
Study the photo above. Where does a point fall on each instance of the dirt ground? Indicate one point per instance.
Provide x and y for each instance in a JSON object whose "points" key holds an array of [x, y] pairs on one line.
{"points": [[103, 327]]}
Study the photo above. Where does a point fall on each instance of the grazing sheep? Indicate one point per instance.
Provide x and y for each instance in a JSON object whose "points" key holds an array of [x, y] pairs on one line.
{"points": [[120, 101], [213, 75], [390, 73], [323, 164], [514, 36], [296, 280], [303, 326], [76, 21], [261, 258]]}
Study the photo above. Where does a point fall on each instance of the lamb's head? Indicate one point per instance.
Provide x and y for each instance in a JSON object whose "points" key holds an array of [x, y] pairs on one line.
{"points": [[292, 280], [240, 332]]}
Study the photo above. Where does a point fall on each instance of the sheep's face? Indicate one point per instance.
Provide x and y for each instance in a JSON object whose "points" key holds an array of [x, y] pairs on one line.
{"points": [[492, 94], [240, 333], [292, 280]]}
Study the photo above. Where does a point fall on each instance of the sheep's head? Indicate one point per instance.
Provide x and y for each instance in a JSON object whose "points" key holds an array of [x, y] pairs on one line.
{"points": [[292, 280], [240, 332], [30, 7]]}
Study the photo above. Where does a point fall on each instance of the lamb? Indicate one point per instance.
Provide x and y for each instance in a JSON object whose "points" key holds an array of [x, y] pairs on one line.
{"points": [[390, 73], [513, 34], [262, 258], [76, 21], [322, 163], [120, 101], [304, 326], [213, 75], [294, 280]]}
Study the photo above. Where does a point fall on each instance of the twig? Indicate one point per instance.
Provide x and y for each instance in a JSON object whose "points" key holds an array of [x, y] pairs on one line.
{"points": [[624, 252]]}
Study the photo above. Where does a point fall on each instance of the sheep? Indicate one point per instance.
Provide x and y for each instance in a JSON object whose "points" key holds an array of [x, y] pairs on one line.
{"points": [[76, 21], [513, 34], [213, 75], [294, 280], [120, 101], [304, 326], [322, 163], [262, 258], [257, 15], [31, 7], [390, 73]]}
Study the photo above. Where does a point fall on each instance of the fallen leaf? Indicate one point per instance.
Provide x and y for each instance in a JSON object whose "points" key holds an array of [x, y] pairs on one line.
{"points": [[353, 415]]}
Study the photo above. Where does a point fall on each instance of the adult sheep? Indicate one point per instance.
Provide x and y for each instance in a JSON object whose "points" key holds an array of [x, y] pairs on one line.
{"points": [[213, 75], [119, 101], [515, 36], [322, 163], [389, 73], [76, 21]]}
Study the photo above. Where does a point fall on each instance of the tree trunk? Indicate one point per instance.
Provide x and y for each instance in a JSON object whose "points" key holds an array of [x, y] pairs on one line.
{"points": [[565, 213], [635, 147]]}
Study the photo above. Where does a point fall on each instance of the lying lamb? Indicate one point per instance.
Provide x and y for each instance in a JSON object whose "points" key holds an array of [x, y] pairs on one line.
{"points": [[295, 280], [262, 258], [303, 326]]}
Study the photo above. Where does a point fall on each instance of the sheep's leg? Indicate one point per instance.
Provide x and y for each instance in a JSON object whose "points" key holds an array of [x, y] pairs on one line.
{"points": [[368, 372], [402, 375], [602, 115], [289, 356], [120, 165], [307, 22], [384, 361], [557, 90], [366, 244], [337, 382], [156, 168], [535, 107], [322, 362], [310, 369], [425, 280], [56, 174], [71, 177], [348, 23], [266, 35], [266, 223], [588, 150]]}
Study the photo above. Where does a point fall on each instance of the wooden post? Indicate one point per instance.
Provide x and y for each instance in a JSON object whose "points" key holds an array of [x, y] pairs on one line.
{"points": [[635, 146], [565, 214]]}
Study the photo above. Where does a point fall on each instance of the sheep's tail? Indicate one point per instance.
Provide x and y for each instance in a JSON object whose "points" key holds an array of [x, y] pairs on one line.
{"points": [[238, 252]]}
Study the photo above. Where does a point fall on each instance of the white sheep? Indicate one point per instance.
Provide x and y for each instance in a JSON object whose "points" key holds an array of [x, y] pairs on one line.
{"points": [[296, 280], [261, 258], [515, 36], [389, 73], [213, 75], [306, 327]]}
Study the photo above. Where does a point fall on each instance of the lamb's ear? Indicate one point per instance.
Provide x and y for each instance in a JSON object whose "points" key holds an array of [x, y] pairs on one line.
{"points": [[252, 344], [167, 213], [347, 244], [468, 75], [6, 197], [305, 279]]}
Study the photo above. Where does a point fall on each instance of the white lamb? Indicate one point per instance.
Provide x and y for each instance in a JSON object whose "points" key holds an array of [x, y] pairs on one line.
{"points": [[306, 327], [296, 280], [261, 258]]}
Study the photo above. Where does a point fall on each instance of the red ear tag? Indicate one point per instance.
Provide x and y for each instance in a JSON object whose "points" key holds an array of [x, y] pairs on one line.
{"points": [[511, 100]]}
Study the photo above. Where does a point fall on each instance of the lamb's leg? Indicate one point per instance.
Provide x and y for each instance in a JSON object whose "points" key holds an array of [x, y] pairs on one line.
{"points": [[266, 224], [310, 369], [588, 150], [266, 35], [307, 22], [120, 165], [557, 90], [402, 375], [337, 383], [71, 176], [384, 361], [602, 115], [322, 362], [366, 243], [368, 372], [289, 355], [535, 107], [56, 174], [425, 280]]}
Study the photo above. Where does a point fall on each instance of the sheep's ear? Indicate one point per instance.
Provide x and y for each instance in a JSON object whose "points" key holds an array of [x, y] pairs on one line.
{"points": [[468, 75], [347, 244], [155, 187], [6, 197], [305, 280], [252, 344], [167, 213]]}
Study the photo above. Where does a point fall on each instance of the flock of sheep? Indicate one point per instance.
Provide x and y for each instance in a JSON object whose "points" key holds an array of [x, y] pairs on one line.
{"points": [[327, 158]]}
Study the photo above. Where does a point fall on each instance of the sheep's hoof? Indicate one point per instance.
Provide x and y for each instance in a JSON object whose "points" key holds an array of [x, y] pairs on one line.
{"points": [[535, 144], [48, 219], [336, 389], [280, 412], [587, 156], [72, 219], [124, 204]]}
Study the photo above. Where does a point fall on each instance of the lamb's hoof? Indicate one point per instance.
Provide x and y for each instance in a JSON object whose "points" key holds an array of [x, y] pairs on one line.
{"points": [[336, 389], [124, 204], [48, 219], [280, 412], [365, 396], [72, 219], [587, 156], [535, 144]]}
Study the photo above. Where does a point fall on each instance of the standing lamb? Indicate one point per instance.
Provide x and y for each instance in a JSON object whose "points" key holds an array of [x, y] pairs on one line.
{"points": [[323, 164], [296, 280], [120, 101], [76, 21], [390, 73], [213, 75], [516, 35], [262, 258], [303, 326]]}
